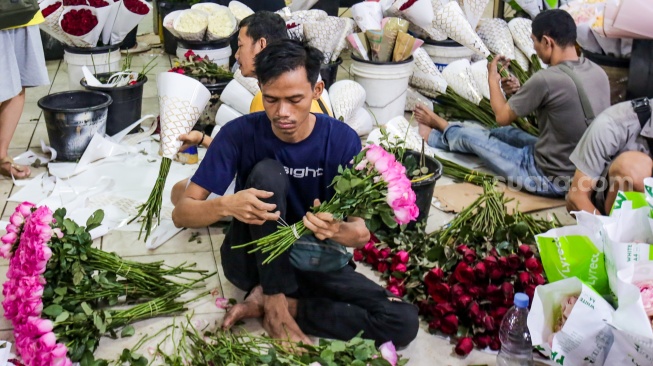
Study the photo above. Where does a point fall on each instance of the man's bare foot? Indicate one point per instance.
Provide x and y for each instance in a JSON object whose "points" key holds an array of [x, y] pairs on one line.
{"points": [[278, 321], [426, 117], [252, 307], [9, 169], [424, 131]]}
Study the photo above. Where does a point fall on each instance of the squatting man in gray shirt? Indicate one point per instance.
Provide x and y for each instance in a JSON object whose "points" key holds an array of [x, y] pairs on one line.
{"points": [[539, 164]]}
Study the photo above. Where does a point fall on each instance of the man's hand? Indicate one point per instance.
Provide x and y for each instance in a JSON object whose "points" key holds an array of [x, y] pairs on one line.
{"points": [[494, 68], [323, 225], [246, 206], [192, 139], [510, 85], [278, 321]]}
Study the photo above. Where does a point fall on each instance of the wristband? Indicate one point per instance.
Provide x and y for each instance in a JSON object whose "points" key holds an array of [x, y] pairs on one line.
{"points": [[202, 140]]}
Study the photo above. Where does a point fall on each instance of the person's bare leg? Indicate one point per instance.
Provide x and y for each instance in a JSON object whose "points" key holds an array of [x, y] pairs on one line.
{"points": [[627, 173], [426, 117], [178, 190], [279, 319], [252, 307], [10, 112]]}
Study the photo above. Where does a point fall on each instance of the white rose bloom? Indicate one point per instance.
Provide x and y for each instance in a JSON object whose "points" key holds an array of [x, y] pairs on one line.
{"points": [[191, 21], [221, 24], [208, 8], [240, 10]]}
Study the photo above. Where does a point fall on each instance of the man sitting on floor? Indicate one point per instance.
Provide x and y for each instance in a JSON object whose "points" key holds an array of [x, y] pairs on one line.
{"points": [[284, 160], [613, 155], [559, 97]]}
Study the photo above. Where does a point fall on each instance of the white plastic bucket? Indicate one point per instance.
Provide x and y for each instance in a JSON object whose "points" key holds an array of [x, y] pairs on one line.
{"points": [[220, 56], [445, 52], [97, 59], [385, 86]]}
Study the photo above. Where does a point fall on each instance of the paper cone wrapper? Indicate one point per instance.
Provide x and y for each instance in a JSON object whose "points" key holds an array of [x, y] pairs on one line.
{"points": [[586, 39], [633, 17], [251, 84], [326, 35], [304, 16], [226, 114], [222, 24], [361, 122], [367, 15], [296, 32], [89, 39], [414, 97], [473, 10], [426, 78], [297, 5], [497, 37], [104, 14], [419, 13], [51, 24], [347, 96], [521, 30], [169, 20], [451, 19], [240, 10], [522, 60], [479, 73], [198, 20], [532, 7], [181, 102], [111, 21], [237, 97], [385, 4], [126, 21], [348, 28], [459, 77], [285, 13]]}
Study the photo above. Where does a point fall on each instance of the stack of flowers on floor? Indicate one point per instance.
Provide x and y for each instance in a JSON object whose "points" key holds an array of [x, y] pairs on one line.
{"points": [[463, 277], [60, 292]]}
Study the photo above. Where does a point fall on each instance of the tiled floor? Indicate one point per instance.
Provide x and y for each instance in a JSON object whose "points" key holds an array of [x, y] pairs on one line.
{"points": [[426, 350]]}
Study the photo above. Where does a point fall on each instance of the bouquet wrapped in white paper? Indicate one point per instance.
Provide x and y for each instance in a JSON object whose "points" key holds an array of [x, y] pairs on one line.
{"points": [[451, 19], [52, 10], [414, 97], [367, 15], [521, 30], [522, 60], [169, 21], [473, 10], [361, 122], [251, 84], [347, 96], [458, 75], [532, 7], [418, 12], [82, 24], [497, 37], [221, 24], [426, 78], [240, 10], [480, 74], [191, 25], [328, 35], [128, 15]]}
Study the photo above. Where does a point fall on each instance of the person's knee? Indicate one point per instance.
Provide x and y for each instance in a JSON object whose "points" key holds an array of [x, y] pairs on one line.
{"points": [[177, 191], [267, 175], [405, 323], [629, 170]]}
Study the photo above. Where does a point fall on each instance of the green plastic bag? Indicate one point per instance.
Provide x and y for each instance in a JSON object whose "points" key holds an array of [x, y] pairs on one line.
{"points": [[628, 200], [574, 251]]}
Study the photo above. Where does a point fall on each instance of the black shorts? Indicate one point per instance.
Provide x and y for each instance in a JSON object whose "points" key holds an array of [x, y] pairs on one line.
{"points": [[600, 192]]}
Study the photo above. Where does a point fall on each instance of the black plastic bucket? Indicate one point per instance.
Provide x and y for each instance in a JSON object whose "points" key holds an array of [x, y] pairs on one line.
{"points": [[424, 189], [169, 41], [329, 72], [126, 106], [72, 119]]}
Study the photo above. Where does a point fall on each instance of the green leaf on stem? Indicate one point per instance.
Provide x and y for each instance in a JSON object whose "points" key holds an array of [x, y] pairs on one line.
{"points": [[127, 331], [94, 220], [53, 310], [87, 309], [62, 317]]}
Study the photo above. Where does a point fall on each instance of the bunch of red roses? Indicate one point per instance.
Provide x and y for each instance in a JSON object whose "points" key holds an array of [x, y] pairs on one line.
{"points": [[78, 22], [386, 262], [98, 3], [136, 7], [74, 2], [50, 9]]}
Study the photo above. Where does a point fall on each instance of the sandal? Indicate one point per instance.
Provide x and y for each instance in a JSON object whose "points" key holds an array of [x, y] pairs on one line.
{"points": [[15, 171]]}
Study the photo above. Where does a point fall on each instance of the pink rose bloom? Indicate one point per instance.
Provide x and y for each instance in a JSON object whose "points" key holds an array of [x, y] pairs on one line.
{"points": [[12, 229], [361, 165], [384, 163], [646, 291], [5, 250], [43, 215], [389, 352], [222, 303], [25, 208], [48, 340], [403, 256], [16, 219], [57, 232], [374, 153], [39, 326]]}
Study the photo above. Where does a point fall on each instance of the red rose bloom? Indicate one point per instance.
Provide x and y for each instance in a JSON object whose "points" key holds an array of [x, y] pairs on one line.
{"points": [[433, 277], [74, 2], [136, 6], [464, 273], [463, 302], [292, 25], [385, 253], [496, 274], [474, 310], [462, 248], [407, 5], [514, 261], [482, 340], [537, 279], [480, 270], [78, 22], [439, 292], [457, 290], [490, 262], [499, 313], [398, 291], [434, 324], [525, 251], [524, 278], [503, 263], [372, 256], [442, 309], [51, 9], [98, 3], [530, 291], [488, 323], [181, 71], [464, 346], [402, 256], [382, 267], [533, 265], [370, 244], [449, 324], [508, 290], [398, 267], [495, 343], [470, 256], [494, 294], [475, 291], [358, 255]]}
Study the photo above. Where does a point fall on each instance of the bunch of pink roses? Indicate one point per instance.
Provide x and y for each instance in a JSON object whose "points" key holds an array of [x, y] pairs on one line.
{"points": [[26, 247], [375, 189]]}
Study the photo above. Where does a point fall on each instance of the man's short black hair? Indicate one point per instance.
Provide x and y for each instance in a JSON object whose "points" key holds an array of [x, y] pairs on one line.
{"points": [[287, 55], [557, 24], [265, 24]]}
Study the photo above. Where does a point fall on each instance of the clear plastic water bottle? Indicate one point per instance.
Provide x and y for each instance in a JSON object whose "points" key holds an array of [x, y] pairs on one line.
{"points": [[516, 346]]}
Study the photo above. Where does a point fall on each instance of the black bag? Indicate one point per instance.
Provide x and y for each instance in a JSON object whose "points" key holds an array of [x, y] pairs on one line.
{"points": [[14, 13]]}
